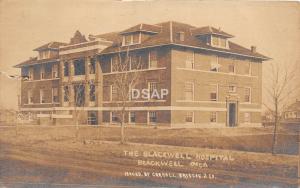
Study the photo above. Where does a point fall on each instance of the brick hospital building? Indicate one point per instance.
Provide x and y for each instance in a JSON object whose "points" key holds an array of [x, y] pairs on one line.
{"points": [[211, 81]]}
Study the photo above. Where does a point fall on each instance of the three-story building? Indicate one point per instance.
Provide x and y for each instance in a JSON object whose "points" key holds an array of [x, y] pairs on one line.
{"points": [[210, 80]]}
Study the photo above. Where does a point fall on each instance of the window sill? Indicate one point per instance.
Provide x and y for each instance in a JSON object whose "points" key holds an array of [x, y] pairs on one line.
{"points": [[41, 80], [138, 70], [217, 72]]}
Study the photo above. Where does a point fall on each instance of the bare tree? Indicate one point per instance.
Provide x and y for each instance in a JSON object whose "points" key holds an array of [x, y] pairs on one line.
{"points": [[127, 77], [79, 102], [280, 89]]}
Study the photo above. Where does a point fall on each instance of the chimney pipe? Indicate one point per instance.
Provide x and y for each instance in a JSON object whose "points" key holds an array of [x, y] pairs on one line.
{"points": [[253, 49]]}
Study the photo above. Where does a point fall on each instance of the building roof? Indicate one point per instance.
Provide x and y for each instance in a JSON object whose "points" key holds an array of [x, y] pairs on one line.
{"points": [[114, 37], [295, 106], [207, 30], [147, 28], [78, 38], [50, 45], [35, 60], [167, 36]]}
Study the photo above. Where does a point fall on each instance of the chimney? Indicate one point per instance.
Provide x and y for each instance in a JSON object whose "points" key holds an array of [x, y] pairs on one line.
{"points": [[253, 49]]}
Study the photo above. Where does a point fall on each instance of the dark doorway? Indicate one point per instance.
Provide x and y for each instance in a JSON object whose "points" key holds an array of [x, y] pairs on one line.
{"points": [[232, 115]]}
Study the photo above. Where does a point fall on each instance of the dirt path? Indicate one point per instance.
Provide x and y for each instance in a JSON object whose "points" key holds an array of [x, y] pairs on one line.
{"points": [[97, 163]]}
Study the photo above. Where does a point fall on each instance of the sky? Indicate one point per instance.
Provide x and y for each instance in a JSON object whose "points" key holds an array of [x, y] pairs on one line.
{"points": [[273, 27]]}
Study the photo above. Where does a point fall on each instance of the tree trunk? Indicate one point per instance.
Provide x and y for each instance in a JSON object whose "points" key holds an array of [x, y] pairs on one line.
{"points": [[122, 128], [77, 127], [98, 132], [274, 143]]}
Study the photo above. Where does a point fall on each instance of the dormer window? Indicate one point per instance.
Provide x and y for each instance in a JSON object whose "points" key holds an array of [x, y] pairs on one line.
{"points": [[218, 41], [44, 54], [131, 39], [180, 36]]}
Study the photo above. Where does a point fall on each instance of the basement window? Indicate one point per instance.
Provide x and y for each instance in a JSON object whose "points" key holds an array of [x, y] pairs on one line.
{"points": [[189, 118], [132, 117], [114, 117], [152, 117], [213, 117]]}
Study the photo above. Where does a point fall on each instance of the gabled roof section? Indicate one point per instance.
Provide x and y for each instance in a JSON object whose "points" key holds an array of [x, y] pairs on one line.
{"points": [[35, 60], [208, 30], [168, 33], [78, 38], [114, 37], [50, 46], [146, 28], [295, 106]]}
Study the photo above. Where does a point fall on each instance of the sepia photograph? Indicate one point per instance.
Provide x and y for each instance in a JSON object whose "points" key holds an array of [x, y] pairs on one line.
{"points": [[149, 94]]}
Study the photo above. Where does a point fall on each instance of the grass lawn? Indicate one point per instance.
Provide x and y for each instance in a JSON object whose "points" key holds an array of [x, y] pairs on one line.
{"points": [[52, 155], [242, 139]]}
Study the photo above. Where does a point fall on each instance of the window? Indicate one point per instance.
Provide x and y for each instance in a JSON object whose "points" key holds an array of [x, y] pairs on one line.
{"points": [[92, 117], [132, 117], [135, 62], [131, 39], [114, 64], [189, 62], [66, 94], [246, 117], [127, 40], [92, 66], [247, 94], [232, 88], [66, 69], [55, 71], [180, 36], [213, 117], [152, 86], [79, 94], [215, 41], [114, 117], [153, 59], [231, 68], [152, 117], [214, 93], [218, 41], [30, 74], [44, 54], [55, 95], [223, 42], [189, 91], [42, 96], [29, 97], [248, 69], [79, 67], [42, 72], [92, 92], [214, 64], [136, 38], [113, 93], [189, 118]]}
